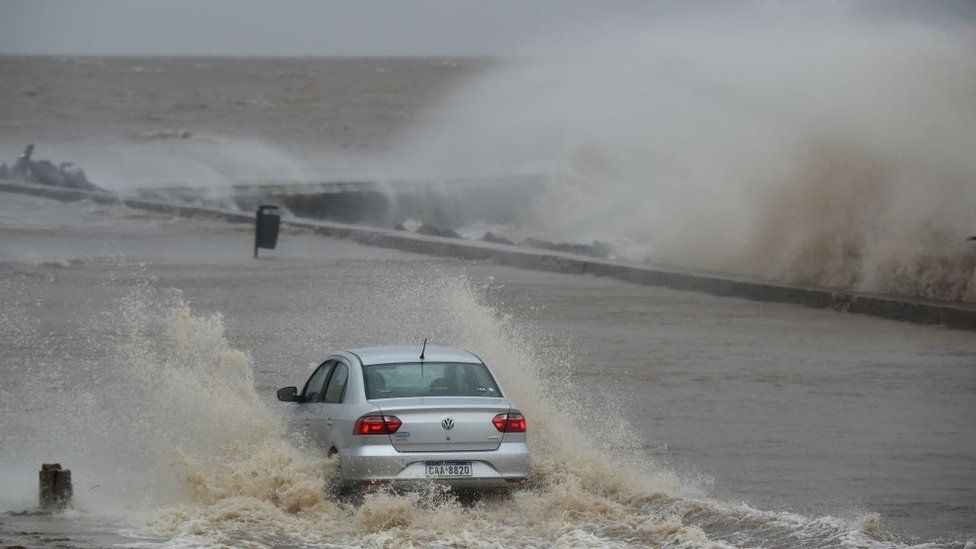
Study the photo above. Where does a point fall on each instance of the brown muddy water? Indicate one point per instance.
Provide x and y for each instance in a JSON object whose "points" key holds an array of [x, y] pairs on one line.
{"points": [[841, 167], [143, 352], [244, 119]]}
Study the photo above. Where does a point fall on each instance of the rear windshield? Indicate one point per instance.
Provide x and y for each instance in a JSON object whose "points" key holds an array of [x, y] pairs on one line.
{"points": [[428, 379]]}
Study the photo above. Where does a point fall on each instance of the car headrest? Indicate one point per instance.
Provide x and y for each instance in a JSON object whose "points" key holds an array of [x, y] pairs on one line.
{"points": [[376, 381]]}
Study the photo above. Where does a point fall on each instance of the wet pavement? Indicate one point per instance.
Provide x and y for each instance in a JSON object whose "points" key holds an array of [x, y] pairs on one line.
{"points": [[785, 408]]}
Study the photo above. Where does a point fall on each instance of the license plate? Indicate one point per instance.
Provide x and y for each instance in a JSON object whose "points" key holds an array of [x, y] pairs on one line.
{"points": [[448, 469]]}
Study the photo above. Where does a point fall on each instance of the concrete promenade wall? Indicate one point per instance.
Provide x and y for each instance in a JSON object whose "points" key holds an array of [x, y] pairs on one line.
{"points": [[953, 315]]}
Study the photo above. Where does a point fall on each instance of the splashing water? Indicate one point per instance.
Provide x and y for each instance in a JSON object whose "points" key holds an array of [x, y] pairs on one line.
{"points": [[163, 413], [796, 143]]}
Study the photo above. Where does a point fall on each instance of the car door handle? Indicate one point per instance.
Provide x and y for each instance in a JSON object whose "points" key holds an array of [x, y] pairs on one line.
{"points": [[328, 422]]}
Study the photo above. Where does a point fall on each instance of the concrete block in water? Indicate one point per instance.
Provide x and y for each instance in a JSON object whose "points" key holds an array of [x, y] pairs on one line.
{"points": [[55, 490]]}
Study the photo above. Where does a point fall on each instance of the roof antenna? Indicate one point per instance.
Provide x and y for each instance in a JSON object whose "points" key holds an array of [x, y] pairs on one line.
{"points": [[422, 349]]}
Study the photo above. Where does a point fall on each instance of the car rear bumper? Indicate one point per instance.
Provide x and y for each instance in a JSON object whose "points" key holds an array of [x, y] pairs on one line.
{"points": [[505, 466]]}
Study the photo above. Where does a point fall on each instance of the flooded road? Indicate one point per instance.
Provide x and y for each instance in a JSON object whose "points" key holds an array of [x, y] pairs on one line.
{"points": [[142, 352]]}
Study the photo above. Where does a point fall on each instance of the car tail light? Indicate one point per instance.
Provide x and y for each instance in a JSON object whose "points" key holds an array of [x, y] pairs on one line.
{"points": [[509, 423], [377, 425]]}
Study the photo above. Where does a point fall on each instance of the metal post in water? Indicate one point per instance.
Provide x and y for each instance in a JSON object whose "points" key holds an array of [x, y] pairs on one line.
{"points": [[54, 491], [266, 228]]}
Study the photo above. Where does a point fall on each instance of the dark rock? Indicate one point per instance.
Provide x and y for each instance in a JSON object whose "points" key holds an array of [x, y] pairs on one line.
{"points": [[44, 172], [496, 239]]}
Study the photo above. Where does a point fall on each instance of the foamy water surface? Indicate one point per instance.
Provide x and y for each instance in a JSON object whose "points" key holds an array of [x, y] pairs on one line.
{"points": [[149, 371]]}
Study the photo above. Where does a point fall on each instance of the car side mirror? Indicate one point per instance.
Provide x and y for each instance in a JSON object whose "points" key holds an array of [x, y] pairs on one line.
{"points": [[288, 394]]}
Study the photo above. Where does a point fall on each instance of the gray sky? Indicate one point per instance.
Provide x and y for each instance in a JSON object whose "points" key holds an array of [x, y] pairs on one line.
{"points": [[354, 27]]}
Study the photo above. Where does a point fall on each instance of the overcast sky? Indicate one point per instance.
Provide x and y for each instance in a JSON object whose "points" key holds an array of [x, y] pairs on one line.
{"points": [[354, 27]]}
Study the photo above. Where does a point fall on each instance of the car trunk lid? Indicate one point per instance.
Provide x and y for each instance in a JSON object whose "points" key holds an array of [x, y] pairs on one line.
{"points": [[445, 424]]}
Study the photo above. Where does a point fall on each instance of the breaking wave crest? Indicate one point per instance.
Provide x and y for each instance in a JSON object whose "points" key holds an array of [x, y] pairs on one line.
{"points": [[796, 143], [163, 416]]}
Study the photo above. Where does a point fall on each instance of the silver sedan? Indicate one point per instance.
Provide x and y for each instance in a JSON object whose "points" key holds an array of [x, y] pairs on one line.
{"points": [[403, 413]]}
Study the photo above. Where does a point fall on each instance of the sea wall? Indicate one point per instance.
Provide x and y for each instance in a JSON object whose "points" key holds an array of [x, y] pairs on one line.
{"points": [[953, 315], [448, 204]]}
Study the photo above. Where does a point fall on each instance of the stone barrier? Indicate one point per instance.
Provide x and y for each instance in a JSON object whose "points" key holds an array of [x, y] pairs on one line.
{"points": [[953, 315]]}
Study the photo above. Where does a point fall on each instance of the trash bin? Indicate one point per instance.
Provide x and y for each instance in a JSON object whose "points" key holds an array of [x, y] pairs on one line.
{"points": [[266, 225]]}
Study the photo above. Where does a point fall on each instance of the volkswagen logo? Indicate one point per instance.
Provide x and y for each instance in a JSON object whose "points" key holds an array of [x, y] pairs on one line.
{"points": [[447, 423]]}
